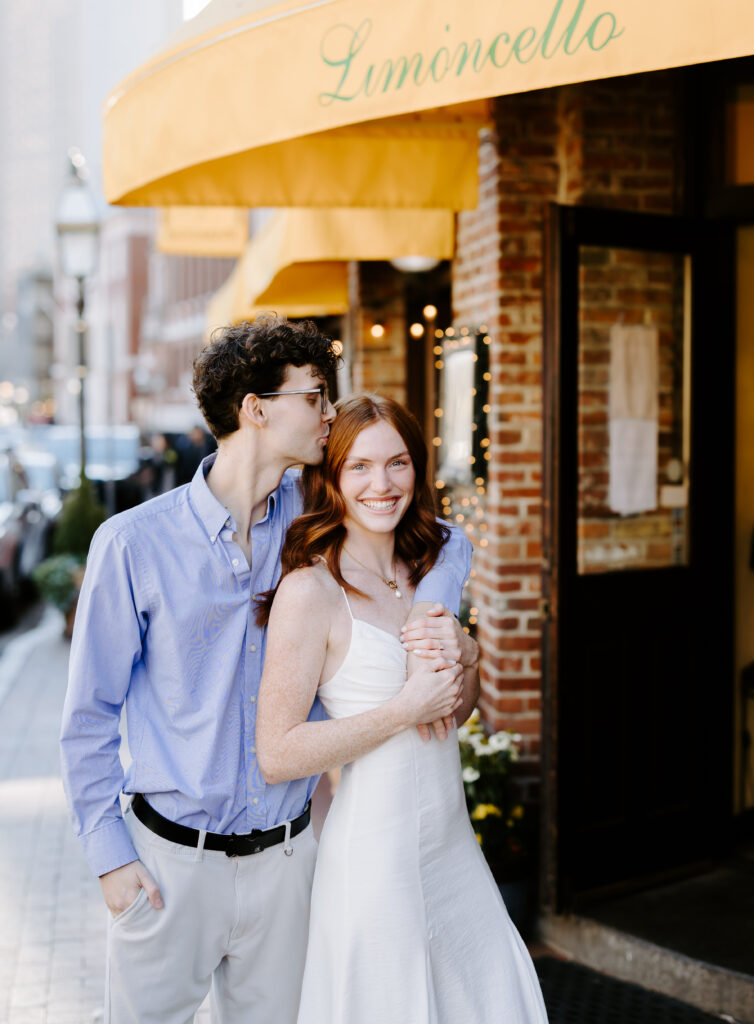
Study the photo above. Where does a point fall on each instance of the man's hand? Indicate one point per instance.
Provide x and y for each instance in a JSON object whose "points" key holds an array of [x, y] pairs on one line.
{"points": [[121, 887], [437, 630]]}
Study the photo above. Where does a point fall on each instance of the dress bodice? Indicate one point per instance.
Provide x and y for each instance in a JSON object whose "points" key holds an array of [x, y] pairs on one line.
{"points": [[372, 672]]}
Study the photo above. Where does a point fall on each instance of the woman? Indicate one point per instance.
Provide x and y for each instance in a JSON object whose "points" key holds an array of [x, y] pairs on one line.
{"points": [[407, 925]]}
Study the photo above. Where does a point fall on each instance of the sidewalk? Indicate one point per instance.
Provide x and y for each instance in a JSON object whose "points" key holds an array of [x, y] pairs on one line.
{"points": [[52, 943], [53, 935]]}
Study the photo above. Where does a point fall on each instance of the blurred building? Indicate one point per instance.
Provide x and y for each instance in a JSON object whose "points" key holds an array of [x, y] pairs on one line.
{"points": [[58, 60], [173, 330]]}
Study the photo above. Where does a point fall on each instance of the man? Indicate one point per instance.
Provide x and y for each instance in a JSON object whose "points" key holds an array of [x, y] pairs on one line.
{"points": [[207, 875]]}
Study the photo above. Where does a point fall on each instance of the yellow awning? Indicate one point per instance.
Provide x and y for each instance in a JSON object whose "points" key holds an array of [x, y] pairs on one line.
{"points": [[297, 264], [352, 102], [202, 231]]}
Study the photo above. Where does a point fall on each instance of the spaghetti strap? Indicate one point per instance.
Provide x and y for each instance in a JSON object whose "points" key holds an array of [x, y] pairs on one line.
{"points": [[323, 560], [348, 603]]}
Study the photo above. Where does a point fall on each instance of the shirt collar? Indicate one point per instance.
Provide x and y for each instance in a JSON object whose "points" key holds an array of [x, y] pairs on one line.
{"points": [[213, 515]]}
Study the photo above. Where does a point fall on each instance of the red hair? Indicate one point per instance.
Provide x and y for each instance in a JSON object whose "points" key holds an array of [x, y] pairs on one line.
{"points": [[320, 531]]}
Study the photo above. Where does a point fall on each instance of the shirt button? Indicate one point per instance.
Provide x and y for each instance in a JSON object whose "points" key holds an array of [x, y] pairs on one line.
{"points": [[253, 648], [235, 561], [212, 539], [253, 700], [255, 800]]}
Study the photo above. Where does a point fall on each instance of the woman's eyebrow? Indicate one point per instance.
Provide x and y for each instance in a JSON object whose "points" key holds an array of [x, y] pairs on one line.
{"points": [[358, 458]]}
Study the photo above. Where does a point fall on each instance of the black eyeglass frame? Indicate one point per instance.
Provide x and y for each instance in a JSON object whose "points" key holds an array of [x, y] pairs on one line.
{"points": [[322, 389]]}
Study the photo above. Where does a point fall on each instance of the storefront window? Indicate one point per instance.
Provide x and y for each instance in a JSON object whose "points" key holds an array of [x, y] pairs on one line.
{"points": [[739, 135], [633, 409]]}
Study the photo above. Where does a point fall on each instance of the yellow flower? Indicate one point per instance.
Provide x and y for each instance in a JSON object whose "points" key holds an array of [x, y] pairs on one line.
{"points": [[478, 837], [482, 811], [517, 812]]}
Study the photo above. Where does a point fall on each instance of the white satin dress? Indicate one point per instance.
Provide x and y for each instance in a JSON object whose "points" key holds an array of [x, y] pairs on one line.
{"points": [[407, 924]]}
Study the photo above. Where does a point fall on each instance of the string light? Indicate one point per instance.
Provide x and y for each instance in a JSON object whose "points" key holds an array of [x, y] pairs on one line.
{"points": [[461, 504], [416, 330], [377, 331], [429, 312]]}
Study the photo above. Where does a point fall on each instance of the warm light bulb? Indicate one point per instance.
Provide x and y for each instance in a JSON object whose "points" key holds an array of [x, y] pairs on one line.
{"points": [[429, 312], [377, 331], [416, 330]]}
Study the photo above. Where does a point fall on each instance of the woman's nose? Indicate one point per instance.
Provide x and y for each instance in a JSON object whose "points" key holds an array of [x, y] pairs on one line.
{"points": [[380, 480]]}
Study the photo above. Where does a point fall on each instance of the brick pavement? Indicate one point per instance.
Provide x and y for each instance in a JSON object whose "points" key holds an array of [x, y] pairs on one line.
{"points": [[53, 921]]}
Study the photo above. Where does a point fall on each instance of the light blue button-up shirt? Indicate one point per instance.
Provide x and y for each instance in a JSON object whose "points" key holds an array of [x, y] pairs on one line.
{"points": [[165, 625]]}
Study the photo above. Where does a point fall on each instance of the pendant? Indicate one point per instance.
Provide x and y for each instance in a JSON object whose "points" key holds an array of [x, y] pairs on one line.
{"points": [[393, 584]]}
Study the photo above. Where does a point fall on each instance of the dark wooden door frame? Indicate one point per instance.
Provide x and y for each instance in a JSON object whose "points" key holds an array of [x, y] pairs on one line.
{"points": [[565, 230]]}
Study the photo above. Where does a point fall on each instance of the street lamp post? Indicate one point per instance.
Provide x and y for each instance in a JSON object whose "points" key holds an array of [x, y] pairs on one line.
{"points": [[77, 226]]}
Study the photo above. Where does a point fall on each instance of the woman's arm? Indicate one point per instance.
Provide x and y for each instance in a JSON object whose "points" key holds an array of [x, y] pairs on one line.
{"points": [[289, 746]]}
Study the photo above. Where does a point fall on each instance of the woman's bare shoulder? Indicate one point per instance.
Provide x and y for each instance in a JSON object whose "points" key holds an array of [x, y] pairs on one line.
{"points": [[310, 585]]}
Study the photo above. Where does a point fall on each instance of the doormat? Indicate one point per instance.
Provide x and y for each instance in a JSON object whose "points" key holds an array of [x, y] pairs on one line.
{"points": [[574, 994]]}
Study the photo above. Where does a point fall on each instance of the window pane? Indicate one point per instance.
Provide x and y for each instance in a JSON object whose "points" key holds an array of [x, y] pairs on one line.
{"points": [[633, 415]]}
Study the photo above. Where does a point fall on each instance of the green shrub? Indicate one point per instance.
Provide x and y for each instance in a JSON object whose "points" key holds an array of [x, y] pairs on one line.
{"points": [[81, 516], [58, 579]]}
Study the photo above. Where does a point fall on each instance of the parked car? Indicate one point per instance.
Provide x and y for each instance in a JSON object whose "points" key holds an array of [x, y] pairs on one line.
{"points": [[112, 453], [29, 507]]}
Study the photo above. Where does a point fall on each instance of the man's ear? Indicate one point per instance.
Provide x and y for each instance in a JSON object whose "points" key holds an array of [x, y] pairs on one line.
{"points": [[252, 412]]}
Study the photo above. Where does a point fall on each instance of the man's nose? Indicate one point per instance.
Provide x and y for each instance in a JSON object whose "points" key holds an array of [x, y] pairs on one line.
{"points": [[330, 412]]}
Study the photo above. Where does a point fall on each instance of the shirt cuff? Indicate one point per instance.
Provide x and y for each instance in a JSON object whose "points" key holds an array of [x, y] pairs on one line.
{"points": [[442, 586], [109, 847]]}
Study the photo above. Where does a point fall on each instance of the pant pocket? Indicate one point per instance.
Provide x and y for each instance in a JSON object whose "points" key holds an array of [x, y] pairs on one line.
{"points": [[132, 908]]}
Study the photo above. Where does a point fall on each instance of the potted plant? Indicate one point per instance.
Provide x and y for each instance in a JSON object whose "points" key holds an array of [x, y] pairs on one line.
{"points": [[59, 577], [495, 810]]}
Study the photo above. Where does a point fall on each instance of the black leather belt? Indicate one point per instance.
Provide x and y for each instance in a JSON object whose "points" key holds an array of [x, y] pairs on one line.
{"points": [[233, 845]]}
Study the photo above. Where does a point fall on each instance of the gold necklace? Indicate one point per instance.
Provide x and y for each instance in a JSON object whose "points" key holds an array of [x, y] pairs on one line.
{"points": [[392, 584]]}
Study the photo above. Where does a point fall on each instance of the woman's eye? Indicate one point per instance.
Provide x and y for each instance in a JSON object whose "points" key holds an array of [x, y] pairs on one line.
{"points": [[358, 465], [400, 462]]}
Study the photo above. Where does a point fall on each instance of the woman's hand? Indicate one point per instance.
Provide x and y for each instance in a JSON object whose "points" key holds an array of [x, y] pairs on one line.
{"points": [[432, 692]]}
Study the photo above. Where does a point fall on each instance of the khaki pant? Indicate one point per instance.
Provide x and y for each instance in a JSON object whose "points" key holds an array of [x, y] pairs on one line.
{"points": [[236, 924]]}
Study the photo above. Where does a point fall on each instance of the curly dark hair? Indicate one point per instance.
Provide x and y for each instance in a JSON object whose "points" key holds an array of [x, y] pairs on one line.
{"points": [[251, 358]]}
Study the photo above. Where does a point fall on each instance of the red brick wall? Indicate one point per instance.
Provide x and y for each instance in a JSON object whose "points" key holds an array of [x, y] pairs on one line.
{"points": [[609, 143]]}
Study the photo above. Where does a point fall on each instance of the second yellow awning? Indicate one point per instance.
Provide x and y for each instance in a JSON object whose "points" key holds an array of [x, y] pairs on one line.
{"points": [[297, 264]]}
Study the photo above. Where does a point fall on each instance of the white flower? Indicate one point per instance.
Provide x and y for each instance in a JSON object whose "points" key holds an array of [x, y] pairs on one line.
{"points": [[464, 733], [470, 774], [481, 745], [517, 737], [500, 741]]}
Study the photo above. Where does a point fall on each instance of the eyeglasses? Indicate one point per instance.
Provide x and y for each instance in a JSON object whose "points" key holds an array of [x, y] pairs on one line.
{"points": [[322, 390]]}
